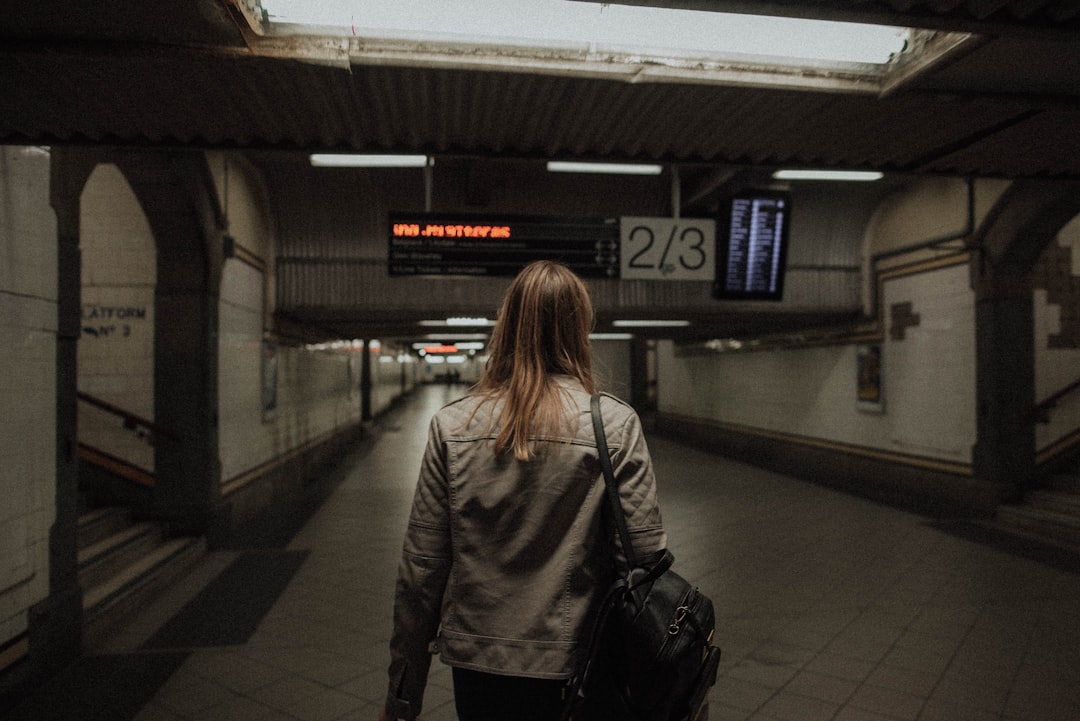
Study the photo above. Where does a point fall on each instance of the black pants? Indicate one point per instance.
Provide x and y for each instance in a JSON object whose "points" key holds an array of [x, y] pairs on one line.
{"points": [[489, 697]]}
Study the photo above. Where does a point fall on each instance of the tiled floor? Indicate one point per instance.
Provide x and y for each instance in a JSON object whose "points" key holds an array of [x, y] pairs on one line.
{"points": [[830, 607]]}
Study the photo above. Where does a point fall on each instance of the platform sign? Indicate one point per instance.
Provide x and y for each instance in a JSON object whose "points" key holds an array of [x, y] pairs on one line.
{"points": [[432, 244], [667, 249]]}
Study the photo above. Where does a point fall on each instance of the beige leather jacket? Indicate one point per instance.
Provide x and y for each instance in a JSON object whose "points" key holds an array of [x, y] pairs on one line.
{"points": [[503, 559]]}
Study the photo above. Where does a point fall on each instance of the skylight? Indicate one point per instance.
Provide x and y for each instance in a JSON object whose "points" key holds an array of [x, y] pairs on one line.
{"points": [[597, 27]]}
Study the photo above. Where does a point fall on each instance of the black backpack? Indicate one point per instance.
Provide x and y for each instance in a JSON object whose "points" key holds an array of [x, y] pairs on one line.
{"points": [[650, 656]]}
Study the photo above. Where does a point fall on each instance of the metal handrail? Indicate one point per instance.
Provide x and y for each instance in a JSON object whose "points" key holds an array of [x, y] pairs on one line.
{"points": [[132, 422], [117, 466], [1040, 412]]}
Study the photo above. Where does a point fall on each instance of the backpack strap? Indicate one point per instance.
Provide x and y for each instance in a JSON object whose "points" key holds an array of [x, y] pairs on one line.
{"points": [[609, 483]]}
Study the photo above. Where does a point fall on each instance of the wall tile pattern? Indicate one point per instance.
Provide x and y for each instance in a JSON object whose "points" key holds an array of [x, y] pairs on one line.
{"points": [[928, 388], [1057, 332], [28, 320], [116, 346]]}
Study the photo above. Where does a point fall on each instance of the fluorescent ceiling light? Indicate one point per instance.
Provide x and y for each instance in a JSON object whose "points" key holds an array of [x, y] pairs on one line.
{"points": [[469, 321], [458, 322], [352, 345], [466, 345], [848, 175], [453, 337], [611, 336], [650, 323], [364, 160], [558, 166]]}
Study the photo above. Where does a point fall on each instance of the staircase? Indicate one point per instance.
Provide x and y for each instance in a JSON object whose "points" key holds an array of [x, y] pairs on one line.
{"points": [[1050, 514], [122, 564]]}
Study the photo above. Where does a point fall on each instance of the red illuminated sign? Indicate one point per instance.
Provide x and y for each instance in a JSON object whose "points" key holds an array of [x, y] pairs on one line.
{"points": [[442, 230], [474, 245], [441, 349]]}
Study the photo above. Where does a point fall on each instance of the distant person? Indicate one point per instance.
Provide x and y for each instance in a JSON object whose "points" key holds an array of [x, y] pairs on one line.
{"points": [[507, 548]]}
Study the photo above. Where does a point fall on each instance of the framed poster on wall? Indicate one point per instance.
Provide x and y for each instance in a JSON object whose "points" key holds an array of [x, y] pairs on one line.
{"points": [[868, 374]]}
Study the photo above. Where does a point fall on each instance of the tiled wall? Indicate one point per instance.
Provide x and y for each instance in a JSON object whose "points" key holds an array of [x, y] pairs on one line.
{"points": [[310, 392], [316, 394], [276, 395], [116, 346], [388, 368], [244, 439], [928, 362], [273, 396], [28, 277], [927, 405], [243, 200], [928, 388], [1057, 333]]}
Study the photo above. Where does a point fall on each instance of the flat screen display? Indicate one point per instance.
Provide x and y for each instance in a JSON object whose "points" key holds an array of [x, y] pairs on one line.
{"points": [[752, 246]]}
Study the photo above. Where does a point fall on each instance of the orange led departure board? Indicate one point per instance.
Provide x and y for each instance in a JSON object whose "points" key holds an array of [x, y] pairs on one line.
{"points": [[448, 230], [431, 244]]}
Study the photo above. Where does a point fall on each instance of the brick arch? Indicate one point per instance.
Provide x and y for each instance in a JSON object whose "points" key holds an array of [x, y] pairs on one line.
{"points": [[1026, 218], [177, 195], [1053, 273]]}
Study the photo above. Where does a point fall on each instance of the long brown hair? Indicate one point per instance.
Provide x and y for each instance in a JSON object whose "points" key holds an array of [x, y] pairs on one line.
{"points": [[542, 330]]}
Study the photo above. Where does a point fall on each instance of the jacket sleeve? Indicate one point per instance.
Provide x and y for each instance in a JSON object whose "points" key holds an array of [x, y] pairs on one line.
{"points": [[422, 576], [634, 474]]}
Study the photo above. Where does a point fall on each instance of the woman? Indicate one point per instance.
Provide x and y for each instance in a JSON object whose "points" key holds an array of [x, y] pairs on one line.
{"points": [[506, 549]]}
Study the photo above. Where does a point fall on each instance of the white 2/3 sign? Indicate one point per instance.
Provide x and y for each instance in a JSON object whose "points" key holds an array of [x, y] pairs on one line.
{"points": [[667, 249]]}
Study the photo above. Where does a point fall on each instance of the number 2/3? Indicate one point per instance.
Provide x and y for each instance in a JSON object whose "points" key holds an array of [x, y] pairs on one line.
{"points": [[690, 250]]}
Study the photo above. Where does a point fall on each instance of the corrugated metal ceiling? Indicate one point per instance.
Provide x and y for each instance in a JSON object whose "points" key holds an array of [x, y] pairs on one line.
{"points": [[180, 75], [180, 99], [191, 74]]}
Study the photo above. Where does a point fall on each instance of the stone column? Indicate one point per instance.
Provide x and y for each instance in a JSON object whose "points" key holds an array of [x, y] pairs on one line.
{"points": [[177, 194]]}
